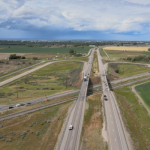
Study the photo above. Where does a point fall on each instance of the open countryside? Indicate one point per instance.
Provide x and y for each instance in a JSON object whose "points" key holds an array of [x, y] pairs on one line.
{"points": [[127, 48]]}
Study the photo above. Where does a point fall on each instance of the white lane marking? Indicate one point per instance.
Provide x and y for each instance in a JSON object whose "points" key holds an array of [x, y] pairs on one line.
{"points": [[110, 95]]}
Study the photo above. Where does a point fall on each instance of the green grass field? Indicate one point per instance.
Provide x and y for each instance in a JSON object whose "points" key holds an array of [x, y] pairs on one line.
{"points": [[135, 117], [25, 49], [126, 70], [144, 91], [46, 81]]}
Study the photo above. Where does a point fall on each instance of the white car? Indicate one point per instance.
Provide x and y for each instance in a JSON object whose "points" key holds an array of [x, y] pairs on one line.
{"points": [[18, 105], [70, 127]]}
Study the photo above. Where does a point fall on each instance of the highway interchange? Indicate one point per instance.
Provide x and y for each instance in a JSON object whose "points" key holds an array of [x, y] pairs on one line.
{"points": [[70, 138]]}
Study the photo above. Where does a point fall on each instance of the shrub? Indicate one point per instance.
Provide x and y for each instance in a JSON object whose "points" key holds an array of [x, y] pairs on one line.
{"points": [[23, 57], [14, 56], [37, 133]]}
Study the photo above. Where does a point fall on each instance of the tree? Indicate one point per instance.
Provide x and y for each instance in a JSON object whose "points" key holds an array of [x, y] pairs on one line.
{"points": [[148, 49], [71, 51], [23, 57]]}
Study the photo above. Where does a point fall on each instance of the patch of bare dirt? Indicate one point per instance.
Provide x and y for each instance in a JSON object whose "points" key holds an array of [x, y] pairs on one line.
{"points": [[95, 80], [40, 55], [6, 55], [12, 65]]}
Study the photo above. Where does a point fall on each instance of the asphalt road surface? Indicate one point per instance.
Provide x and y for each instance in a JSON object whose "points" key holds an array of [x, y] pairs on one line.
{"points": [[116, 136], [70, 138]]}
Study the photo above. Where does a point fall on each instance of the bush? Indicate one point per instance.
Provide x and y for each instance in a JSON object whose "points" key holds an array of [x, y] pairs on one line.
{"points": [[35, 58], [37, 133], [117, 70], [14, 56], [23, 57]]}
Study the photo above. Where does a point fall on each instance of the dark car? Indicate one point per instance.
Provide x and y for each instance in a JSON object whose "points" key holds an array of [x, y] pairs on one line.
{"points": [[105, 99], [104, 95], [10, 107], [28, 103], [22, 104]]}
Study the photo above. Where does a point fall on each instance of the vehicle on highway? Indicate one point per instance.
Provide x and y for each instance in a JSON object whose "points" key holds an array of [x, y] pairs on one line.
{"points": [[85, 78], [104, 95], [18, 105], [28, 103], [105, 99], [10, 107], [71, 127], [22, 104]]}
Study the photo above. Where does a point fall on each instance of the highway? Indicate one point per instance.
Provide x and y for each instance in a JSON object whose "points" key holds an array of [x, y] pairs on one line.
{"points": [[116, 136], [70, 138]]}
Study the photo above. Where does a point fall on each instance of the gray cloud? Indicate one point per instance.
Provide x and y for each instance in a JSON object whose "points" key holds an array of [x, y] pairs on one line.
{"points": [[117, 16]]}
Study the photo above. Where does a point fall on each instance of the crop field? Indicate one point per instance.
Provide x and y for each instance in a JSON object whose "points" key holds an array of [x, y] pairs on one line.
{"points": [[125, 70], [143, 91], [91, 138], [135, 117], [54, 78], [127, 48], [25, 49], [35, 131]]}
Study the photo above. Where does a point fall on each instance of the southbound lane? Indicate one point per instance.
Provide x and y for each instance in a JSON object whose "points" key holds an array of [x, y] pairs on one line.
{"points": [[116, 137]]}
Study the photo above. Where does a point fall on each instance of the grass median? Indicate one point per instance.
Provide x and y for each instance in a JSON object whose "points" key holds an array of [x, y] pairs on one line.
{"points": [[91, 137]]}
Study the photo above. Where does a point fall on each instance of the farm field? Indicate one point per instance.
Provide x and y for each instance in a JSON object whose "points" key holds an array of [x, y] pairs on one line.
{"points": [[25, 49], [125, 70], [38, 130], [143, 91], [135, 117], [120, 48], [54, 78], [91, 137]]}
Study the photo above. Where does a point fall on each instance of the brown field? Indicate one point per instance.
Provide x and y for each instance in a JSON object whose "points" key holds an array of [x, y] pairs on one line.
{"points": [[127, 48], [6, 55]]}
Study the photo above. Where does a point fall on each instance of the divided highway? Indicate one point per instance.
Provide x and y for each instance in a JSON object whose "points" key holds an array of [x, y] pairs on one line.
{"points": [[70, 138], [116, 136]]}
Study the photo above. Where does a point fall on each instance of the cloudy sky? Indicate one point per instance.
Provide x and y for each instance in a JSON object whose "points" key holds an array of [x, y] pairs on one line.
{"points": [[75, 19]]}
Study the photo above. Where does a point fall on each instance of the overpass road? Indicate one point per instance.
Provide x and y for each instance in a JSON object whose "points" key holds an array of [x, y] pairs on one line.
{"points": [[116, 136], [70, 138]]}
